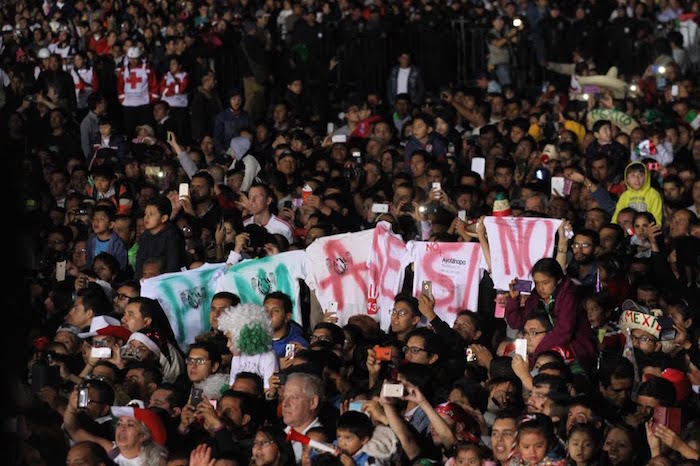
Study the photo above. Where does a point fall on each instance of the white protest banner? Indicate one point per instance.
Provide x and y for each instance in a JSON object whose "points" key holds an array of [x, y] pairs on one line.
{"points": [[336, 268], [516, 243], [252, 279], [454, 270], [185, 298], [386, 271]]}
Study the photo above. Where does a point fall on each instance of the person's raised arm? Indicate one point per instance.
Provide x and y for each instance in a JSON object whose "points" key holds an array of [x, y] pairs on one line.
{"points": [[514, 316], [563, 245], [447, 437], [72, 426], [400, 428], [484, 242]]}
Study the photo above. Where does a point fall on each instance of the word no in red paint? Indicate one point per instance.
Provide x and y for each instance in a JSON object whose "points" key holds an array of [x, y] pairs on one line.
{"points": [[385, 263], [449, 298], [519, 243], [333, 250]]}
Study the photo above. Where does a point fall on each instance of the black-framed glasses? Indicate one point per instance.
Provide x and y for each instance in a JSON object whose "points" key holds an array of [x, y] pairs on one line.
{"points": [[196, 361], [315, 338], [533, 333], [414, 349]]}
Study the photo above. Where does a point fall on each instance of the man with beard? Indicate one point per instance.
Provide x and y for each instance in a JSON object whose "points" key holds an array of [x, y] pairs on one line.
{"points": [[583, 267], [200, 202], [284, 330], [125, 292]]}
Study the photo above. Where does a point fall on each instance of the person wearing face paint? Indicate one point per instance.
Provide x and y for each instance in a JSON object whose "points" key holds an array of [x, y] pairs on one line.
{"points": [[555, 295]]}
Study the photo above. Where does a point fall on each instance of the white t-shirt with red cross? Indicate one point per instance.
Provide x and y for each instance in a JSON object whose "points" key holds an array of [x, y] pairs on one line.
{"points": [[137, 86]]}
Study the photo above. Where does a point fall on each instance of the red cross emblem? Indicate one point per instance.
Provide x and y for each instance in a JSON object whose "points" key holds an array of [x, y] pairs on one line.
{"points": [[133, 79]]}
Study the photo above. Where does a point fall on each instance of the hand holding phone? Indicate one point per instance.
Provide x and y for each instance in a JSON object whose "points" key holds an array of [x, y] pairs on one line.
{"points": [[392, 390], [196, 396], [289, 351], [184, 190], [100, 352], [382, 353], [521, 348], [427, 288], [523, 286], [60, 271]]}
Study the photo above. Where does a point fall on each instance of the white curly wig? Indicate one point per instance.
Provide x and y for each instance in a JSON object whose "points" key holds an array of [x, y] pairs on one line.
{"points": [[248, 326]]}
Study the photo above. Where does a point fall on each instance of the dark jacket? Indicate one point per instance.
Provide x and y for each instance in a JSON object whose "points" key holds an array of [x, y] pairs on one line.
{"points": [[205, 107], [228, 125], [571, 327], [415, 85], [62, 83], [168, 245], [436, 146]]}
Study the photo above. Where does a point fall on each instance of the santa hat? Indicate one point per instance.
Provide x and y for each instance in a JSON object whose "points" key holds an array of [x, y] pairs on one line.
{"points": [[637, 317], [501, 206], [105, 325], [150, 339], [146, 417], [679, 381]]}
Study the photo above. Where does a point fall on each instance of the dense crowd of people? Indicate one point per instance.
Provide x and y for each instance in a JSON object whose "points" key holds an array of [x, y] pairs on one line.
{"points": [[144, 138]]}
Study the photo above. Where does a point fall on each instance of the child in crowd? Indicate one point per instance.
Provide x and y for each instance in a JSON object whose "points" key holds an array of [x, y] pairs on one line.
{"points": [[354, 431], [161, 239], [103, 239], [598, 307], [467, 454], [639, 194], [583, 445], [536, 443], [106, 186]]}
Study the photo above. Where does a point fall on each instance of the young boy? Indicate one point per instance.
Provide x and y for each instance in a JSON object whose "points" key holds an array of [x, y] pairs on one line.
{"points": [[639, 194], [353, 432], [161, 239], [107, 187], [103, 239]]}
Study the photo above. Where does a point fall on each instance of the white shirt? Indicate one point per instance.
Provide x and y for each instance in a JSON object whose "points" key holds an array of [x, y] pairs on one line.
{"points": [[264, 365], [123, 461], [402, 81], [275, 226]]}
